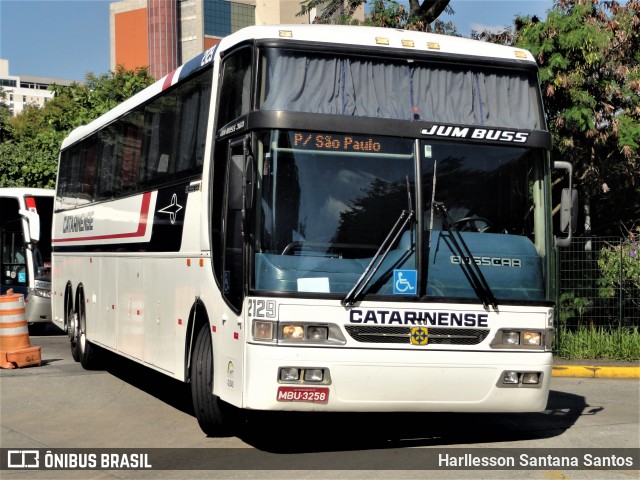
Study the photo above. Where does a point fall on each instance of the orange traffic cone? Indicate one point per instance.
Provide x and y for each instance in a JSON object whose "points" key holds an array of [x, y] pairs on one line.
{"points": [[15, 347]]}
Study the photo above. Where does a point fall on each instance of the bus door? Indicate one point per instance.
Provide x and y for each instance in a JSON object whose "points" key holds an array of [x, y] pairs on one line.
{"points": [[233, 270]]}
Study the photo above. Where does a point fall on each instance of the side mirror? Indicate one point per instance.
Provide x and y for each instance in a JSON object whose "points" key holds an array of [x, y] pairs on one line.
{"points": [[33, 220], [568, 207], [568, 210]]}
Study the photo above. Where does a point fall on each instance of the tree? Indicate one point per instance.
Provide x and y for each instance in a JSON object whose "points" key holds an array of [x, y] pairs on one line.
{"points": [[588, 52], [421, 16], [32, 139], [5, 115]]}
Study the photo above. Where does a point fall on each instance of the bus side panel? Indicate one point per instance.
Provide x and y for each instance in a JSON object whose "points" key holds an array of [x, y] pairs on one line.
{"points": [[170, 283], [91, 280], [105, 290], [130, 307]]}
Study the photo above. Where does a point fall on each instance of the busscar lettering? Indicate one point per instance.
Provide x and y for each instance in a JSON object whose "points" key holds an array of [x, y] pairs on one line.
{"points": [[415, 317], [77, 223], [487, 261]]}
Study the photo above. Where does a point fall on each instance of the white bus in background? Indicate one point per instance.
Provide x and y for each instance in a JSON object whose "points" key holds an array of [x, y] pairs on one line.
{"points": [[319, 218], [25, 242]]}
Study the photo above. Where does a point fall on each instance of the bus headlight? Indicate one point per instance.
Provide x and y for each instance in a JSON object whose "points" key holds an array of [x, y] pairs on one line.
{"points": [[292, 332], [297, 333], [312, 333], [511, 338], [531, 338], [524, 339], [317, 333]]}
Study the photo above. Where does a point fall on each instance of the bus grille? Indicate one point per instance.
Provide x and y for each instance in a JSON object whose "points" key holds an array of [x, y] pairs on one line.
{"points": [[437, 336]]}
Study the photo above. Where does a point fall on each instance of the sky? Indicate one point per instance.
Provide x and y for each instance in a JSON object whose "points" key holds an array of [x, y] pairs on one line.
{"points": [[66, 39]]}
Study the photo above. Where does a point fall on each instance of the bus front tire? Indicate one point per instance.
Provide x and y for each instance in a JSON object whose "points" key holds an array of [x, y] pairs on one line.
{"points": [[209, 409]]}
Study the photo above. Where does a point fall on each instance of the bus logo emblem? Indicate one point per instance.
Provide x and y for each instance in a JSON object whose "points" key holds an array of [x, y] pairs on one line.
{"points": [[172, 209], [419, 336]]}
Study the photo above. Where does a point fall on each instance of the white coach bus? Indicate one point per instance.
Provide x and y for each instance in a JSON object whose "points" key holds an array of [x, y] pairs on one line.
{"points": [[25, 240], [319, 218]]}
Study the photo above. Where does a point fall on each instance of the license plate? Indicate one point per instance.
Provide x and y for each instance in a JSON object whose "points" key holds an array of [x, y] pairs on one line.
{"points": [[303, 394]]}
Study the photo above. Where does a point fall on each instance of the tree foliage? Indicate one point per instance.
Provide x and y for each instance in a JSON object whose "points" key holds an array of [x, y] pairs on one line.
{"points": [[5, 115], [421, 16], [588, 52], [31, 140]]}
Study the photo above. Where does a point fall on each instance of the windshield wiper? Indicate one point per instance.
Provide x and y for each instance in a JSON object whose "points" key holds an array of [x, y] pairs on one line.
{"points": [[391, 238], [472, 271]]}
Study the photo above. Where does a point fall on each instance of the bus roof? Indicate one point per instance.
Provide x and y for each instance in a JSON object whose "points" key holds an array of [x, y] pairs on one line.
{"points": [[378, 37], [372, 37]]}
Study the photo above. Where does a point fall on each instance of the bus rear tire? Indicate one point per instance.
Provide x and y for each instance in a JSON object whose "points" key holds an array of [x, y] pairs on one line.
{"points": [[82, 349], [71, 324], [209, 409]]}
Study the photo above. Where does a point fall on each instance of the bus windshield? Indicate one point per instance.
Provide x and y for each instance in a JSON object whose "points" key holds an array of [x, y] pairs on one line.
{"points": [[329, 201]]}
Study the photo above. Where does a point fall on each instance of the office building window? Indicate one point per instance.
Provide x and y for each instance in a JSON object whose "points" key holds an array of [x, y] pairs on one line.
{"points": [[222, 18]]}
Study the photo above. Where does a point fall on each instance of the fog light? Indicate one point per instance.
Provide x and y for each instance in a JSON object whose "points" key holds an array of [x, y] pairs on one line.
{"points": [[530, 378], [511, 338], [531, 338], [510, 378], [292, 332], [313, 375], [317, 333], [262, 330], [289, 374]]}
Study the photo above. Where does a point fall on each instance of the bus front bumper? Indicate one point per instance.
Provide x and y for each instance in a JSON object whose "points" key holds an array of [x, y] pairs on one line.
{"points": [[364, 380]]}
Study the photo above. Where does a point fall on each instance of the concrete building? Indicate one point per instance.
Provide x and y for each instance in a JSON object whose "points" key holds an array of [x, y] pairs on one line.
{"points": [[23, 90], [163, 34]]}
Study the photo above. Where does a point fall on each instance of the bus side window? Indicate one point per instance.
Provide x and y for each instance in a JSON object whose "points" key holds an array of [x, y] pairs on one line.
{"points": [[108, 180], [131, 131], [235, 92], [89, 170], [160, 117]]}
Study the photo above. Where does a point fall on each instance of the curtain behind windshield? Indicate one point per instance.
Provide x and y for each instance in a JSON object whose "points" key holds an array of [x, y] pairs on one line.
{"points": [[400, 90]]}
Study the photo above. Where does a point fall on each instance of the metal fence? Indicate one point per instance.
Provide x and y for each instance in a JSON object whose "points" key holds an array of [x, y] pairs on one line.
{"points": [[599, 284]]}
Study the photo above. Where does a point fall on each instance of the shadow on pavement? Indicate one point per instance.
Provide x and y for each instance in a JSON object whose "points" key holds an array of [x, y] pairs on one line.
{"points": [[343, 432], [172, 392]]}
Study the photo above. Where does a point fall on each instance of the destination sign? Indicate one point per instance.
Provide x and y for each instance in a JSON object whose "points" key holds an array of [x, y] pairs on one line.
{"points": [[348, 143]]}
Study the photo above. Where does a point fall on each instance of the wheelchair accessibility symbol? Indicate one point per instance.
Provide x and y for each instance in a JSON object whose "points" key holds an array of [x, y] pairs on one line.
{"points": [[405, 282]]}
